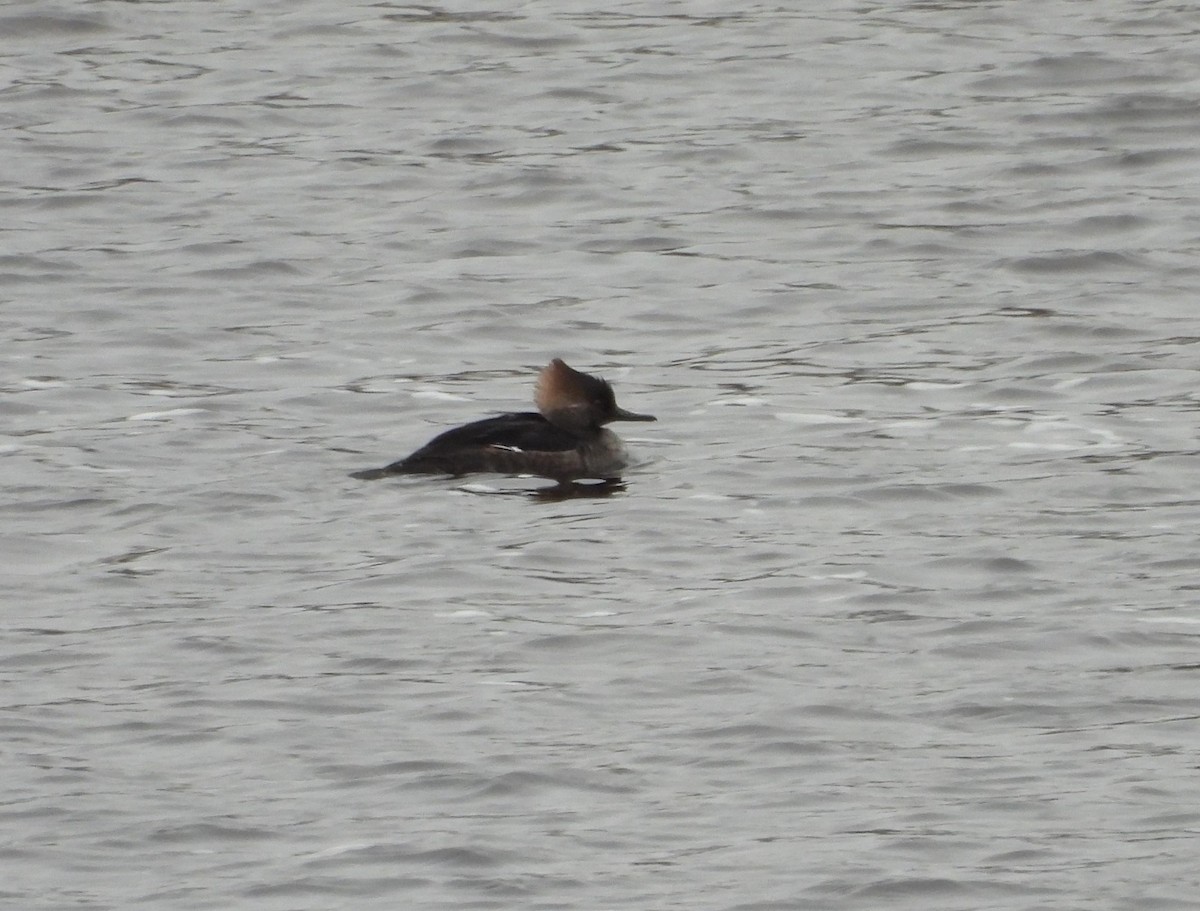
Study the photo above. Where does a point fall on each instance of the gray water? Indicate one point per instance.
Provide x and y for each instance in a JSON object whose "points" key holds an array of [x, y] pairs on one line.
{"points": [[898, 607]]}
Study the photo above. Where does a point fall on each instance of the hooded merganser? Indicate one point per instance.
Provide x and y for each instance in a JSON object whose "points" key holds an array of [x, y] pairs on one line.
{"points": [[566, 441]]}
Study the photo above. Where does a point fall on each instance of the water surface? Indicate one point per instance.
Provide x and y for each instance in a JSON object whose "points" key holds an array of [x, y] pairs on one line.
{"points": [[897, 608]]}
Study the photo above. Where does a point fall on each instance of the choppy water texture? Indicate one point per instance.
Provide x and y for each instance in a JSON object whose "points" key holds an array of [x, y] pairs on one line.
{"points": [[899, 608]]}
